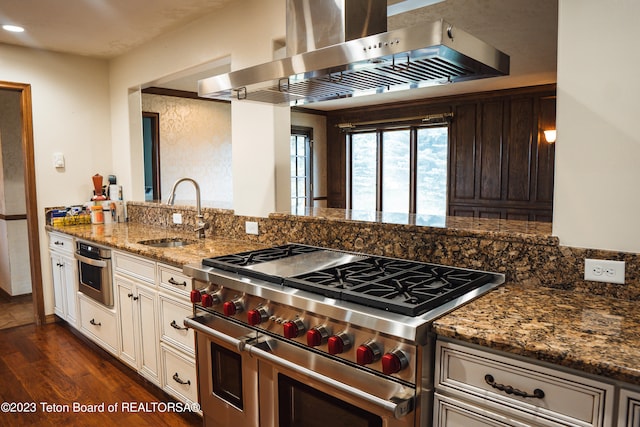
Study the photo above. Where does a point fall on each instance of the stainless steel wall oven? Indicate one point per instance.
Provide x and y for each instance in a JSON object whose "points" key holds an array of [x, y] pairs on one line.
{"points": [[297, 335], [94, 271]]}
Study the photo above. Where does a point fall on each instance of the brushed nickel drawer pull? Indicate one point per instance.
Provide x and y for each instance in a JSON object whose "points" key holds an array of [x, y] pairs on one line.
{"points": [[94, 323], [174, 325], [177, 379], [174, 282], [537, 393]]}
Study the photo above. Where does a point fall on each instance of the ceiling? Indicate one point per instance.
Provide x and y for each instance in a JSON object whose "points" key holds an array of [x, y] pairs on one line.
{"points": [[526, 30]]}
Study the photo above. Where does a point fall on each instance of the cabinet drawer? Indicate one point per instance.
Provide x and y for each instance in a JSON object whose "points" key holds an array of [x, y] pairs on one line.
{"points": [[137, 267], [98, 323], [61, 243], [172, 314], [172, 279], [450, 412], [180, 378], [629, 410], [568, 399]]}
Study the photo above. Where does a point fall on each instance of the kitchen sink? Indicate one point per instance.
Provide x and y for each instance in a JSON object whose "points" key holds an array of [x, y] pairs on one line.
{"points": [[168, 242]]}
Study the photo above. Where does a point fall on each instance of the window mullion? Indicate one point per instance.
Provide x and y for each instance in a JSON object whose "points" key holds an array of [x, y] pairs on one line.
{"points": [[413, 167]]}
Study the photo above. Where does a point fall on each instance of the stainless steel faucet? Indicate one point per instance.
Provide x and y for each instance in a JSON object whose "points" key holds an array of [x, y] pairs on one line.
{"points": [[200, 224]]}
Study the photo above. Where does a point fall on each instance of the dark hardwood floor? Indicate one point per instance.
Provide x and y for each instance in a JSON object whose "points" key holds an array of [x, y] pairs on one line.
{"points": [[52, 364]]}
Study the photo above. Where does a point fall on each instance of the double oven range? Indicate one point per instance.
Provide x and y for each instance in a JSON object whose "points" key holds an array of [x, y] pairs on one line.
{"points": [[298, 335]]}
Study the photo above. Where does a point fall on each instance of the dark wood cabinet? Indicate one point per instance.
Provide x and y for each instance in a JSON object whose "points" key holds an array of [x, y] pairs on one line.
{"points": [[500, 165]]}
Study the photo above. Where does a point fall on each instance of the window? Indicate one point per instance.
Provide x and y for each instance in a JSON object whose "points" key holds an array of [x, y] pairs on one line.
{"points": [[301, 161], [399, 170]]}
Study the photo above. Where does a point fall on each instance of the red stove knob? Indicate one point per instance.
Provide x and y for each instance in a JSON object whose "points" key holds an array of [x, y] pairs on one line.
{"points": [[293, 328], [206, 300], [338, 343], [368, 353], [257, 316], [195, 296], [394, 361], [232, 307], [317, 336]]}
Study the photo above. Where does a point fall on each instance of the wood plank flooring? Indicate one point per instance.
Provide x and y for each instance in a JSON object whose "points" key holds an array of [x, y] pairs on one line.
{"points": [[52, 364]]}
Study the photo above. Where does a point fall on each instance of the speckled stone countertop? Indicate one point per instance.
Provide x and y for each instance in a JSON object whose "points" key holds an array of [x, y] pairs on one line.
{"points": [[534, 232], [126, 236], [594, 334]]}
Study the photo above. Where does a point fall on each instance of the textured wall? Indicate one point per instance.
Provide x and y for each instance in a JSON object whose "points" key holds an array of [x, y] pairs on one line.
{"points": [[195, 142]]}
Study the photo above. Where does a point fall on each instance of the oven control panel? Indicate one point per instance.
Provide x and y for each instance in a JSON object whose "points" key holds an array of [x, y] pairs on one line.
{"points": [[361, 346]]}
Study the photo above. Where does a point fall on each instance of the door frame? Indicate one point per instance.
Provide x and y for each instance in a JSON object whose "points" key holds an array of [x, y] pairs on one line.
{"points": [[31, 197]]}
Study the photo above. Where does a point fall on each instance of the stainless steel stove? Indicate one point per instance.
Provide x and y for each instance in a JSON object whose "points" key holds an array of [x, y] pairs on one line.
{"points": [[330, 329]]}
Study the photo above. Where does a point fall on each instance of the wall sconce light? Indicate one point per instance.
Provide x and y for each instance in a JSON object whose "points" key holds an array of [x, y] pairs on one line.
{"points": [[550, 135]]}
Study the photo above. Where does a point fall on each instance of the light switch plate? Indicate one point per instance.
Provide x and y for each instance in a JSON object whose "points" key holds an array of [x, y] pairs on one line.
{"points": [[58, 160], [601, 270], [177, 218]]}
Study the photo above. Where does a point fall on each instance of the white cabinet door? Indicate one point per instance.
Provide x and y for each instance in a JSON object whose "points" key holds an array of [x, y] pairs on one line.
{"points": [[64, 272], [139, 341], [128, 324], [69, 275], [148, 332], [58, 285]]}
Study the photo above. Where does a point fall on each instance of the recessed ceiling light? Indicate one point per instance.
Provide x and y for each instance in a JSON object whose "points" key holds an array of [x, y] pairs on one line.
{"points": [[13, 28]]}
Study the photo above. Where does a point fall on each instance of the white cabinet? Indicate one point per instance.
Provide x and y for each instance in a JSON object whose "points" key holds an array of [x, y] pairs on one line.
{"points": [[179, 377], [137, 301], [473, 385], [99, 323], [64, 271], [145, 328], [629, 408], [172, 329]]}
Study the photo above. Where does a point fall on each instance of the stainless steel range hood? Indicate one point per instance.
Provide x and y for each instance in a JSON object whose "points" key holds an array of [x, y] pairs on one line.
{"points": [[424, 55]]}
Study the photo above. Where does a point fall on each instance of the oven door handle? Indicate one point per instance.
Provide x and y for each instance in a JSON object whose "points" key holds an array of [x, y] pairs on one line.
{"points": [[399, 407], [90, 261]]}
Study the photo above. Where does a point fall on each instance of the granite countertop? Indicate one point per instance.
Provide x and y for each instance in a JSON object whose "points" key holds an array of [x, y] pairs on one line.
{"points": [[594, 334], [499, 229], [127, 235]]}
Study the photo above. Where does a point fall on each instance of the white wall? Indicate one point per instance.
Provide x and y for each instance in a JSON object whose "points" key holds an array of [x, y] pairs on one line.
{"points": [[70, 106], [597, 201], [228, 32]]}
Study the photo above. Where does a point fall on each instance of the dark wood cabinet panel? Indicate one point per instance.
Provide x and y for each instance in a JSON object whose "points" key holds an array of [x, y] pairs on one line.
{"points": [[491, 143], [519, 145], [462, 142], [500, 165]]}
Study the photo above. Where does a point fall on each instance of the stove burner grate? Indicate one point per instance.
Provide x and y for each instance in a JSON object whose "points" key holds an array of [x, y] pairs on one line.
{"points": [[399, 286]]}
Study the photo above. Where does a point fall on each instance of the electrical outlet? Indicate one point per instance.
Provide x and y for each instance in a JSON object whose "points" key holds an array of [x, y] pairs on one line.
{"points": [[177, 218], [251, 227], [601, 270]]}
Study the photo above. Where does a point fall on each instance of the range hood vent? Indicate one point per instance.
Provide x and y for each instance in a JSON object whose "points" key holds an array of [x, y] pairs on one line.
{"points": [[425, 55]]}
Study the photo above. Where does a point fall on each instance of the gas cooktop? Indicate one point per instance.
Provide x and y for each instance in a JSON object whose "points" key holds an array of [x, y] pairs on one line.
{"points": [[395, 285]]}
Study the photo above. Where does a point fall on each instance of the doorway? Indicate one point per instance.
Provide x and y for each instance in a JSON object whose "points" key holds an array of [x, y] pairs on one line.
{"points": [[151, 140], [26, 137]]}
